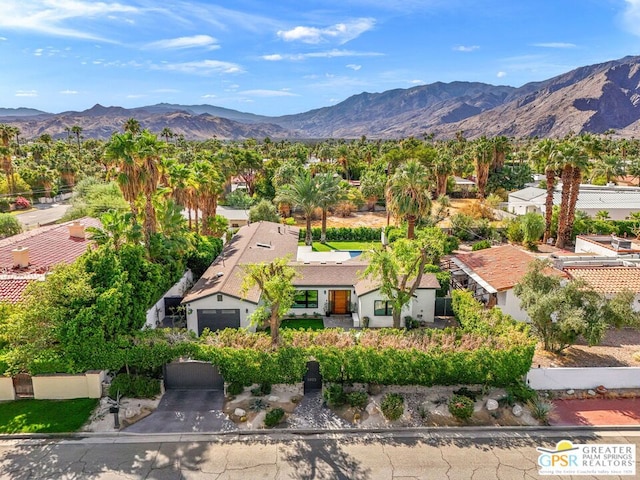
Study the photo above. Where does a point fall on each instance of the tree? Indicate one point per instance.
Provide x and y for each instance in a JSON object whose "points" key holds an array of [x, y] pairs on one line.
{"points": [[274, 279], [117, 229], [9, 225], [532, 226], [7, 133], [543, 157], [372, 185], [77, 130], [264, 210], [400, 266], [560, 314], [482, 158], [408, 195], [329, 194], [303, 193]]}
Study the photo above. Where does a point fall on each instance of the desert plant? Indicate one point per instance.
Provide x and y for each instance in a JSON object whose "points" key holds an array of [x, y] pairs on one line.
{"points": [[461, 407], [235, 388], [273, 417], [334, 395], [357, 399], [261, 390], [392, 406], [540, 409], [521, 392], [258, 404]]}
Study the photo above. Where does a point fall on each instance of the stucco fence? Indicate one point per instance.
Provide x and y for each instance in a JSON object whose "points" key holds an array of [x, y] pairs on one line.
{"points": [[59, 386], [583, 378]]}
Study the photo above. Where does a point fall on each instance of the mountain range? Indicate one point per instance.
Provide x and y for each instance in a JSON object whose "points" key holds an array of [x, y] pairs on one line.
{"points": [[594, 98]]}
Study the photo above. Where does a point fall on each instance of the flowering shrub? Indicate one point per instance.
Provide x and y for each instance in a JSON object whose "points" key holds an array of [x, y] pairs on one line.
{"points": [[461, 407], [22, 203]]}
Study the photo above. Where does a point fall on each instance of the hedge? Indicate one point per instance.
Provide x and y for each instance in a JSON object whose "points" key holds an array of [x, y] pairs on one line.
{"points": [[345, 234]]}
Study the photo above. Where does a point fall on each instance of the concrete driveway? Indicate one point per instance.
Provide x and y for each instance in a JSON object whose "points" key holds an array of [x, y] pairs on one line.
{"points": [[186, 411]]}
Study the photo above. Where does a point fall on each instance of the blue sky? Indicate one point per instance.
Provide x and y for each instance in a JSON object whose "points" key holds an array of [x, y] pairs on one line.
{"points": [[280, 56]]}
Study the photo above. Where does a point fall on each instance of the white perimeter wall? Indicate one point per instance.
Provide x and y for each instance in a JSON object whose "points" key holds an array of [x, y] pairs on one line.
{"points": [[583, 378], [156, 313]]}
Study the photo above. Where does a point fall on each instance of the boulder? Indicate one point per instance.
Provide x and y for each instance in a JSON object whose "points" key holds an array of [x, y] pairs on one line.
{"points": [[274, 398], [591, 393], [516, 410], [571, 391], [372, 408], [239, 412], [492, 405]]}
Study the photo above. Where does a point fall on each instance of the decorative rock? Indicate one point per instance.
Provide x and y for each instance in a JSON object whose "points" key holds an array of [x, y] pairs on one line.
{"points": [[274, 398], [239, 412], [371, 408], [492, 405], [517, 410], [591, 393], [571, 391], [601, 389]]}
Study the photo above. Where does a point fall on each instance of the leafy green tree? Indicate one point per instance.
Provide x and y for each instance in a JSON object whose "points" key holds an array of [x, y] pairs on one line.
{"points": [[400, 266], [303, 193], [408, 195], [372, 185], [117, 229], [532, 226], [329, 194], [560, 314], [9, 225], [274, 279], [264, 210]]}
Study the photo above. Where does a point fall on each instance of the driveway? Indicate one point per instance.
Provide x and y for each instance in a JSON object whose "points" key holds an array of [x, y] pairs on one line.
{"points": [[596, 412], [186, 411]]}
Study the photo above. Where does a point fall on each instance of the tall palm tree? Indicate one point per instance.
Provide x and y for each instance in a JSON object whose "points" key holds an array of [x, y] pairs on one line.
{"points": [[77, 130], [542, 156], [443, 168], [283, 175], [7, 133], [147, 157], [329, 194], [207, 191], [120, 151], [409, 194], [482, 158], [166, 133], [302, 192], [132, 125], [609, 166]]}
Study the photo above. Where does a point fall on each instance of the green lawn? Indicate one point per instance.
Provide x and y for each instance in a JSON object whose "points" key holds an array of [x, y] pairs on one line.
{"points": [[300, 324], [45, 416], [327, 247]]}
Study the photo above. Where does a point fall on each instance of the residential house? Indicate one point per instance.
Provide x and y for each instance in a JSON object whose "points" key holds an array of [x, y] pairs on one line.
{"points": [[237, 217], [610, 280], [28, 256], [323, 287], [606, 245]]}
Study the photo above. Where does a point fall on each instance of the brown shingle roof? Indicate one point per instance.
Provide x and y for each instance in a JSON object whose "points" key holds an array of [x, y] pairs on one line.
{"points": [[255, 243], [501, 267], [608, 279], [318, 275]]}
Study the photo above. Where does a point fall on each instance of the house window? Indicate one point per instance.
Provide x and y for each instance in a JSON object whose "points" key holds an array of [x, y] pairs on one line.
{"points": [[305, 299], [382, 308], [219, 298]]}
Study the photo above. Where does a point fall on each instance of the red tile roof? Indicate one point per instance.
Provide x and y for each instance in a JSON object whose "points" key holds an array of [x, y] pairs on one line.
{"points": [[608, 279], [11, 289]]}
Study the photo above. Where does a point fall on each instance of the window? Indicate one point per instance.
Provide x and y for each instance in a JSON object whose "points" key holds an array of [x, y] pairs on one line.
{"points": [[219, 298], [305, 299], [382, 307]]}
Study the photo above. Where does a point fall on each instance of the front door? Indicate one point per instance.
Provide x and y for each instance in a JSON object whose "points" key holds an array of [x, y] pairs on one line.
{"points": [[340, 301]]}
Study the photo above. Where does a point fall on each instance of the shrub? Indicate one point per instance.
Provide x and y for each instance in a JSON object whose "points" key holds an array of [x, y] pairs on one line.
{"points": [[273, 417], [264, 211], [5, 205], [521, 392], [258, 404], [461, 407], [392, 406], [9, 225], [357, 399], [465, 392], [262, 390], [540, 409], [22, 203], [481, 245], [235, 388], [345, 209], [134, 386], [334, 395], [238, 199]]}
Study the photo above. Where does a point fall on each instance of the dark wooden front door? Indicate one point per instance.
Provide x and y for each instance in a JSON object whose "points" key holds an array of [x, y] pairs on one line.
{"points": [[23, 385], [340, 302], [312, 379]]}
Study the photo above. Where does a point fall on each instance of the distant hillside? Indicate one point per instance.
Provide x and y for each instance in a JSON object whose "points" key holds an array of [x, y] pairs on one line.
{"points": [[21, 112], [593, 98]]}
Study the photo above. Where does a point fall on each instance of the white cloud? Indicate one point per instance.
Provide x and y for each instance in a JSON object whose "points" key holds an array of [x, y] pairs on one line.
{"points": [[209, 95], [37, 52], [416, 82], [136, 95], [466, 48], [50, 16], [354, 67], [166, 90], [27, 93], [269, 93], [340, 32], [501, 74], [203, 67], [554, 45], [195, 41], [68, 92], [2, 39], [326, 54], [631, 16]]}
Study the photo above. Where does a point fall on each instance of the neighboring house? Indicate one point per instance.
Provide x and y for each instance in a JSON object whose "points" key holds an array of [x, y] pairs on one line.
{"points": [[237, 217], [610, 280], [491, 274], [620, 202], [606, 245], [28, 256], [216, 301]]}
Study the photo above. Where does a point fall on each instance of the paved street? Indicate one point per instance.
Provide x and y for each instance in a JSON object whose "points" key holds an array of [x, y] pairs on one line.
{"points": [[44, 215], [455, 454]]}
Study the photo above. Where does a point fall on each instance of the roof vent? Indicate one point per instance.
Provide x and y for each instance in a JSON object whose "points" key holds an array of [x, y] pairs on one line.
{"points": [[76, 230], [263, 245], [219, 274], [20, 257]]}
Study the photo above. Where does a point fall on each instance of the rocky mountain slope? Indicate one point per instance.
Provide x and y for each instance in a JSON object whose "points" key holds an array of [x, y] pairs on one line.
{"points": [[594, 98]]}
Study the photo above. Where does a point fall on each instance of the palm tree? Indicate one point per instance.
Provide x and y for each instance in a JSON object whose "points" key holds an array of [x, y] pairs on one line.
{"points": [[77, 130], [132, 125], [482, 158], [329, 194], [302, 192], [207, 191], [117, 229], [408, 195], [7, 133], [609, 166], [147, 157], [166, 133], [443, 168], [283, 176], [121, 152], [542, 156]]}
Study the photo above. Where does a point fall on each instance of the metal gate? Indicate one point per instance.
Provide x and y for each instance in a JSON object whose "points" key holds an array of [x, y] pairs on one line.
{"points": [[444, 308], [23, 385], [313, 378], [192, 375]]}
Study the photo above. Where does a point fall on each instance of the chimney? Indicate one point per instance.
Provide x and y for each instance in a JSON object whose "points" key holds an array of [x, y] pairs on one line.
{"points": [[20, 257], [76, 230]]}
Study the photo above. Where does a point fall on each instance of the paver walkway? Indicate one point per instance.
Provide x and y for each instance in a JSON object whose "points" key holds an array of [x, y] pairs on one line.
{"points": [[596, 411]]}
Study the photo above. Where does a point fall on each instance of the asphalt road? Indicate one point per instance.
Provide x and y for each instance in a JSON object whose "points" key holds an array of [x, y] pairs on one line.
{"points": [[44, 215], [453, 454]]}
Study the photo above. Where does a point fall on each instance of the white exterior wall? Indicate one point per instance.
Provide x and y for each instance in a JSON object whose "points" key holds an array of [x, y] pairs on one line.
{"points": [[7, 391], [423, 304], [509, 303], [583, 378], [211, 302], [156, 313], [585, 246], [423, 307], [323, 299]]}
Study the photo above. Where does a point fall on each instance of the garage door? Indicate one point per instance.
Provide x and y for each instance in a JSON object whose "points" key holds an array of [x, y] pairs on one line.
{"points": [[217, 319], [192, 375]]}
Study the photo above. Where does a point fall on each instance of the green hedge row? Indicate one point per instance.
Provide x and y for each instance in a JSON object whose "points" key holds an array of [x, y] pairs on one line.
{"points": [[345, 234]]}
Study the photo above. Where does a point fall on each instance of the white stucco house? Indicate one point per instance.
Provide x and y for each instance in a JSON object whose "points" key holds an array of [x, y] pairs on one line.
{"points": [[620, 202], [323, 287]]}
